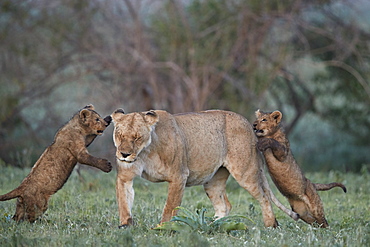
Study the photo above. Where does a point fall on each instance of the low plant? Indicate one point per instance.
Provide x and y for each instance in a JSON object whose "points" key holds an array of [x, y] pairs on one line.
{"points": [[190, 221]]}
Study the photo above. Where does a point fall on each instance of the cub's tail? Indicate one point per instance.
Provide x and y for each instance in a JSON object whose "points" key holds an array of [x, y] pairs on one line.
{"points": [[322, 187], [11, 195]]}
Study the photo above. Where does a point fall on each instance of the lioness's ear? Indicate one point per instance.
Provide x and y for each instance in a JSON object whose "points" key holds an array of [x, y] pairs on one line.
{"points": [[258, 113], [117, 114], [85, 113], [89, 106], [151, 117], [120, 110], [277, 115]]}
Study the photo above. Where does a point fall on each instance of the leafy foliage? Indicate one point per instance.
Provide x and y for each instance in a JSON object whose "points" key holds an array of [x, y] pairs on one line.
{"points": [[189, 221]]}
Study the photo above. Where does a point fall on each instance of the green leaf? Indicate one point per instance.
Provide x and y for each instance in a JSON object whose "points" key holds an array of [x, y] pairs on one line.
{"points": [[189, 221], [232, 226], [187, 213], [231, 217], [201, 217], [173, 226]]}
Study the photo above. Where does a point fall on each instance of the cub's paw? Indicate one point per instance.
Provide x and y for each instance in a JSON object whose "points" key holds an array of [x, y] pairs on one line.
{"points": [[106, 166], [263, 144]]}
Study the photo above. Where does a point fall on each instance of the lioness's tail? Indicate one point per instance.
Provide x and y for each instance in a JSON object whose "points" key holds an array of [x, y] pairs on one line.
{"points": [[11, 195], [322, 187]]}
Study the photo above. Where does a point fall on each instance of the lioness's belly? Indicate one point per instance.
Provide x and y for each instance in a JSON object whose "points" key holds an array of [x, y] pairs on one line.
{"points": [[205, 145], [201, 177]]}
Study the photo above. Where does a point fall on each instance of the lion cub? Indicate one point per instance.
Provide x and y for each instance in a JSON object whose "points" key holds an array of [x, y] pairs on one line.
{"points": [[285, 172], [53, 168]]}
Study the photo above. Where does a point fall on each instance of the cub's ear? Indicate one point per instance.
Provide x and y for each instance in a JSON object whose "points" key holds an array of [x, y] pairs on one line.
{"points": [[151, 117], [117, 114], [84, 113], [277, 115], [90, 107], [258, 113]]}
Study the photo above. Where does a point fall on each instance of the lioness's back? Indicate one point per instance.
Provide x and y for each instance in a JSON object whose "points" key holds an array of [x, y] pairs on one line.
{"points": [[214, 124], [212, 136]]}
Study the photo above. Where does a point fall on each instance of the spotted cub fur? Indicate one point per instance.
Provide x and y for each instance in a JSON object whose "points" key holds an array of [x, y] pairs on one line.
{"points": [[285, 172], [53, 168]]}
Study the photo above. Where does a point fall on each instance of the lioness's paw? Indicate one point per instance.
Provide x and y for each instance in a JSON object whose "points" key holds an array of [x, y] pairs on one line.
{"points": [[123, 226]]}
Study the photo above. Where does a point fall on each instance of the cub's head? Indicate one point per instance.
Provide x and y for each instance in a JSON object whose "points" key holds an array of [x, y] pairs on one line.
{"points": [[267, 123], [92, 122], [132, 133]]}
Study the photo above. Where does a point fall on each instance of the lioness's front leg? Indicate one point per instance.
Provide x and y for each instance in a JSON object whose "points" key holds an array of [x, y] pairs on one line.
{"points": [[125, 197], [175, 193]]}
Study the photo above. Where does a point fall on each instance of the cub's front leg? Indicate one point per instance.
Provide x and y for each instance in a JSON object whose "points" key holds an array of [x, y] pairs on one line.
{"points": [[278, 150], [84, 157]]}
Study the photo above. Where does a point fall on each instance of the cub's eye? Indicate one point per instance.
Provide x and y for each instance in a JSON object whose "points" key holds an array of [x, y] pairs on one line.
{"points": [[264, 120], [97, 120], [138, 138]]}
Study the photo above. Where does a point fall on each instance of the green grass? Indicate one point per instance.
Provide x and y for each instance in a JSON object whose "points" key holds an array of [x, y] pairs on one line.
{"points": [[86, 214]]}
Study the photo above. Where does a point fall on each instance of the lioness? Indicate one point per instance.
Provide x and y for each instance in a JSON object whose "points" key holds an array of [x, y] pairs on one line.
{"points": [[285, 172], [53, 168], [189, 149]]}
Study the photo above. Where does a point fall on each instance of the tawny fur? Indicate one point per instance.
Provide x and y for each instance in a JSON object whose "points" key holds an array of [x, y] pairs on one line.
{"points": [[189, 149], [55, 165], [285, 172]]}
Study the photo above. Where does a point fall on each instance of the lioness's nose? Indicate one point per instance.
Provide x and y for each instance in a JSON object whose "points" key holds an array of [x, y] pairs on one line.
{"points": [[125, 155]]}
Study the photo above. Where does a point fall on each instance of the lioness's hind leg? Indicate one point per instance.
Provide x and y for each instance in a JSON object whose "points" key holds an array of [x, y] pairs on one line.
{"points": [[216, 192], [252, 182]]}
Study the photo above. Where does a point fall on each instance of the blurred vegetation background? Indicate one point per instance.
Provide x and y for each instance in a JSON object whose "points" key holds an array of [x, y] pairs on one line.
{"points": [[309, 59]]}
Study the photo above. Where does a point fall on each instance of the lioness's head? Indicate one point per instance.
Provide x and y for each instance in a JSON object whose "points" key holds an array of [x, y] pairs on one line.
{"points": [[267, 123], [132, 133], [92, 122]]}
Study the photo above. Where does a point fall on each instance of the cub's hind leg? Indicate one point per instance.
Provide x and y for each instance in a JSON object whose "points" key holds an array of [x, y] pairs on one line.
{"points": [[216, 192], [315, 206]]}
